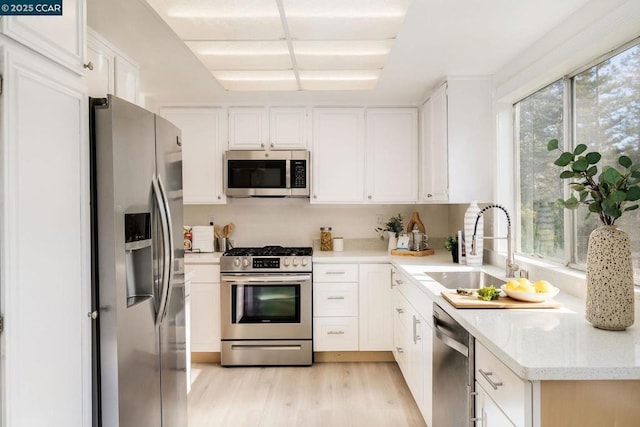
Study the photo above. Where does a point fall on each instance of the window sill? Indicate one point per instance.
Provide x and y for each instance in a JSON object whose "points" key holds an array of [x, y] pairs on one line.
{"points": [[569, 280]]}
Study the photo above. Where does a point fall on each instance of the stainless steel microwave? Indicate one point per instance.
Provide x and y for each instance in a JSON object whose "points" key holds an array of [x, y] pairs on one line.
{"points": [[266, 173]]}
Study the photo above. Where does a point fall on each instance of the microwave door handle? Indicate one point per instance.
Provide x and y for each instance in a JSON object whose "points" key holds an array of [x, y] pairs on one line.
{"points": [[288, 174], [170, 252], [164, 282]]}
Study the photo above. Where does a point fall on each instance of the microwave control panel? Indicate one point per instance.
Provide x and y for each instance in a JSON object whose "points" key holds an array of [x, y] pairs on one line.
{"points": [[298, 174]]}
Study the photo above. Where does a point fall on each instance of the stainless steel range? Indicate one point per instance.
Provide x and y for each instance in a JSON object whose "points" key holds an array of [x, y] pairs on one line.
{"points": [[265, 296]]}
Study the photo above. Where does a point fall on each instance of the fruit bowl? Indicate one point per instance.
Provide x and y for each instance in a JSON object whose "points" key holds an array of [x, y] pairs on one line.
{"points": [[530, 296]]}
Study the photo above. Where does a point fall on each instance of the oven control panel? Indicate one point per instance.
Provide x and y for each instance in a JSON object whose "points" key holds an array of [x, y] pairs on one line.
{"points": [[266, 262]]}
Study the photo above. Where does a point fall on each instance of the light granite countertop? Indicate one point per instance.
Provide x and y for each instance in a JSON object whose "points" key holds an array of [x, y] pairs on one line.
{"points": [[537, 344]]}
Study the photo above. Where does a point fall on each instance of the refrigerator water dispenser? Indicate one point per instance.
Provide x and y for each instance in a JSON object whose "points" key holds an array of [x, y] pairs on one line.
{"points": [[138, 257]]}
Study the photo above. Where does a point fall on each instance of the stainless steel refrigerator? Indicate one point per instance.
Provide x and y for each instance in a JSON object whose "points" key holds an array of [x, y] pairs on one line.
{"points": [[138, 268]]}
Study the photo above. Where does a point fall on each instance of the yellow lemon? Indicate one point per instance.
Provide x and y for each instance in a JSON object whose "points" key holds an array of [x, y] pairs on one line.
{"points": [[524, 281], [512, 285], [542, 286], [523, 287]]}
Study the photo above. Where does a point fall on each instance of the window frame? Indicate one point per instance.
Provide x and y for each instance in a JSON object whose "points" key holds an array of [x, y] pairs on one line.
{"points": [[569, 130]]}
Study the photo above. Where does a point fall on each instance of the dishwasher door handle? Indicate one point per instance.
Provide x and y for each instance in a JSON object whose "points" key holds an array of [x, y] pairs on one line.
{"points": [[448, 340]]}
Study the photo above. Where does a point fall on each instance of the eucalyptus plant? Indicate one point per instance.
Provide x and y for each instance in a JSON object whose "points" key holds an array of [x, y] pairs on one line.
{"points": [[608, 194], [394, 224]]}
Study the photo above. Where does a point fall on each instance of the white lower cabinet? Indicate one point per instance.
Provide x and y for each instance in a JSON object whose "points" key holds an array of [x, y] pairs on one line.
{"points": [[352, 307], [488, 413], [375, 316], [412, 341], [205, 307], [502, 388]]}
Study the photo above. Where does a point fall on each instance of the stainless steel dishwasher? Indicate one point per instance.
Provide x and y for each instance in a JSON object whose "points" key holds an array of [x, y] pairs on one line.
{"points": [[453, 372]]}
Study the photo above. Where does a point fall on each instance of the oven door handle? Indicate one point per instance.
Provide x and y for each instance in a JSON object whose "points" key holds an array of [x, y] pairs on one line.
{"points": [[265, 279]]}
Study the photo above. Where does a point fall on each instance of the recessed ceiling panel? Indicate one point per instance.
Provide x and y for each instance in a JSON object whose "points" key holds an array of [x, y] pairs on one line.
{"points": [[243, 55], [339, 80], [257, 80], [341, 55]]}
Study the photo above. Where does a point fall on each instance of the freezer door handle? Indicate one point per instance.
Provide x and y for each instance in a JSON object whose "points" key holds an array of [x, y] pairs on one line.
{"points": [[166, 249], [171, 255]]}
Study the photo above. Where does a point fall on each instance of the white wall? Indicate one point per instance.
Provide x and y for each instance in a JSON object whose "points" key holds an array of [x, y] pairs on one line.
{"points": [[295, 222]]}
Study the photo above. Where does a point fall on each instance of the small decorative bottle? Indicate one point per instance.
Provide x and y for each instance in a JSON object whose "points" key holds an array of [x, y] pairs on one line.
{"points": [[469, 223], [326, 240]]}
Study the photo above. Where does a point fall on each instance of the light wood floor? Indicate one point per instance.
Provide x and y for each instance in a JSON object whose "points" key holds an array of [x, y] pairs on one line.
{"points": [[325, 394]]}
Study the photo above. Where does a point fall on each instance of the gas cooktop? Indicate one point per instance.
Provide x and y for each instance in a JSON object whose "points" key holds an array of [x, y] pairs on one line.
{"points": [[269, 251], [268, 259]]}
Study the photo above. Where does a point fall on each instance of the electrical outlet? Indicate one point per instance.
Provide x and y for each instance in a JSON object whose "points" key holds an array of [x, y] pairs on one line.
{"points": [[380, 219], [211, 221]]}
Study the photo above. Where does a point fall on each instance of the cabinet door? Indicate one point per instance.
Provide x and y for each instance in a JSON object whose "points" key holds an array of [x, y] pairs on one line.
{"points": [[202, 153], [59, 38], [126, 80], [45, 276], [415, 358], [288, 128], [400, 338], [247, 128], [433, 148], [375, 302], [100, 79], [205, 317], [338, 155], [488, 412], [392, 155]]}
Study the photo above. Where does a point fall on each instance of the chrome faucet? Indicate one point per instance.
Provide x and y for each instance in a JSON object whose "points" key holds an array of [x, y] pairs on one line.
{"points": [[511, 266]]}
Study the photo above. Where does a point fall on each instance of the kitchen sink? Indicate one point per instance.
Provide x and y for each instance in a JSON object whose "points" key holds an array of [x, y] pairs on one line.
{"points": [[465, 279]]}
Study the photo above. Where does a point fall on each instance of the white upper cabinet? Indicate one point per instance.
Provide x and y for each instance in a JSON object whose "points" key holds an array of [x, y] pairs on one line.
{"points": [[111, 71], [100, 78], [392, 155], [127, 80], [288, 128], [202, 152], [457, 126], [338, 155], [262, 128], [358, 163], [433, 148], [59, 38]]}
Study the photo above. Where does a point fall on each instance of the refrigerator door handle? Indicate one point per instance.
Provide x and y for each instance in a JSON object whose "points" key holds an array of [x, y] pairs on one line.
{"points": [[170, 252], [166, 265]]}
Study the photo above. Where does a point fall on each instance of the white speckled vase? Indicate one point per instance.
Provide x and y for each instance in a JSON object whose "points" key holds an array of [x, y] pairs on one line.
{"points": [[609, 303], [393, 240]]}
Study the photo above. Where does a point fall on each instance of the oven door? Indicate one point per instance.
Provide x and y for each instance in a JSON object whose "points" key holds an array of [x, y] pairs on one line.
{"points": [[265, 306]]}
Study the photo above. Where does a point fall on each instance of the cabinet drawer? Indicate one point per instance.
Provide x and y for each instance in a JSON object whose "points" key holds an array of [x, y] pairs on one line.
{"points": [[335, 272], [508, 390], [335, 333], [335, 299], [204, 272]]}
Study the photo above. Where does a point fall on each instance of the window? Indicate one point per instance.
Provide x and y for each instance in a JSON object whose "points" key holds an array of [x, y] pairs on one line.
{"points": [[605, 104], [539, 119]]}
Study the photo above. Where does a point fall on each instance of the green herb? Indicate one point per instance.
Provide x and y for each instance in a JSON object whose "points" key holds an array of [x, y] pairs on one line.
{"points": [[394, 224], [488, 293]]}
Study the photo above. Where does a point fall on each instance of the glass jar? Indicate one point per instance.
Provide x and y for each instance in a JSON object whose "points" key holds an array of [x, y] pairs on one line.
{"points": [[326, 241]]}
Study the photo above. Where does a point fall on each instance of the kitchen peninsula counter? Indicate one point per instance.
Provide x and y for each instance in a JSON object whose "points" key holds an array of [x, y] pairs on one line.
{"points": [[536, 344]]}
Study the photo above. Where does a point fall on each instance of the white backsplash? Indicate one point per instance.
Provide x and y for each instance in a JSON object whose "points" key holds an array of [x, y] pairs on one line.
{"points": [[296, 222]]}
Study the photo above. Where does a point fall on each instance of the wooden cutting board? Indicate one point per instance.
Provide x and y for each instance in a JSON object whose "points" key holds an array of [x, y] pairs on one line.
{"points": [[466, 301], [412, 253]]}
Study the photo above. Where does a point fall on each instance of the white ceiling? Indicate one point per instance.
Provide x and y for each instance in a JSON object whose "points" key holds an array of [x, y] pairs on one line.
{"points": [[438, 38]]}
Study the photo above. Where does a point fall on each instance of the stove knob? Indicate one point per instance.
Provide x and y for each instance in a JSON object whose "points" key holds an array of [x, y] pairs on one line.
{"points": [[304, 262], [287, 262], [236, 262], [245, 262], [295, 262]]}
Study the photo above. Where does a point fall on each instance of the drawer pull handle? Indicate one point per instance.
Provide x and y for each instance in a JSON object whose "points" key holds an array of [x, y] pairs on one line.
{"points": [[336, 297], [486, 376], [399, 310], [335, 333], [399, 281], [399, 350], [336, 272]]}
